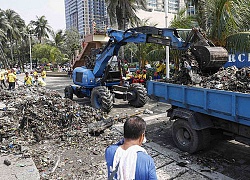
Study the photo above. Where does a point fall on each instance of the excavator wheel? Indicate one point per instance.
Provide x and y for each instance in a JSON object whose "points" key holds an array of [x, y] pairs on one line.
{"points": [[140, 95], [68, 92], [101, 99]]}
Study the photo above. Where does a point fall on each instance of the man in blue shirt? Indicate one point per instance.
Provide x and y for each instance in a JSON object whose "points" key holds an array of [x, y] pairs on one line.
{"points": [[127, 160]]}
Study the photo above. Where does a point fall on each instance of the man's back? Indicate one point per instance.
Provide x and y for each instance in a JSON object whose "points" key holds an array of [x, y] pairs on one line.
{"points": [[145, 167]]}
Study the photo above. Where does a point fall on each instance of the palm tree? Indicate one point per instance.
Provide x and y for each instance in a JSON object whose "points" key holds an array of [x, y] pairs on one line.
{"points": [[201, 13], [4, 25], [16, 24], [58, 38], [223, 18], [122, 12], [182, 21], [41, 28]]}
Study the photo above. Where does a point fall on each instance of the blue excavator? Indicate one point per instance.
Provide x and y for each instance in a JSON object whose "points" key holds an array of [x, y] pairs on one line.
{"points": [[103, 82]]}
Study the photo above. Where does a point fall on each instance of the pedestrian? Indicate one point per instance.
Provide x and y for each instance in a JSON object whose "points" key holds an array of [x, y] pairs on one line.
{"points": [[43, 74], [27, 79], [2, 79], [11, 78], [127, 160]]}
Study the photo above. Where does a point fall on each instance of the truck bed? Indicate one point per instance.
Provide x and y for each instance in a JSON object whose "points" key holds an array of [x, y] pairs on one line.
{"points": [[232, 106]]}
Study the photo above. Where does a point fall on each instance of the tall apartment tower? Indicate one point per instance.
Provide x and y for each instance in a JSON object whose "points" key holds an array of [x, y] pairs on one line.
{"points": [[88, 16], [173, 5]]}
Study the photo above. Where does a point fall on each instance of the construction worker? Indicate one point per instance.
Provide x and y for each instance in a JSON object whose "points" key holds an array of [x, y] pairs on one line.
{"points": [[43, 74], [11, 78], [27, 79], [35, 74], [138, 74], [160, 68], [2, 79], [144, 74], [39, 81]]}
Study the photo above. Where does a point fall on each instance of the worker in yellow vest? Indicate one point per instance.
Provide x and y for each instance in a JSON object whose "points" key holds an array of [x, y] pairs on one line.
{"points": [[2, 79], [39, 81], [11, 78], [43, 74], [27, 79], [35, 74]]}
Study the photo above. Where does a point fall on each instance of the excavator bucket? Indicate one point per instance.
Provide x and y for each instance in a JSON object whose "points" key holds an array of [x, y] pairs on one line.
{"points": [[210, 59]]}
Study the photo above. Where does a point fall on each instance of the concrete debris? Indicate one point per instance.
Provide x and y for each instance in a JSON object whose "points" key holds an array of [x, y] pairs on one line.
{"points": [[57, 131], [146, 111], [7, 162], [230, 79]]}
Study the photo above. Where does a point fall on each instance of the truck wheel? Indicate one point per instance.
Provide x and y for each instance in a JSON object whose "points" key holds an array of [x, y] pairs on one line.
{"points": [[101, 99], [140, 94], [68, 92], [186, 138]]}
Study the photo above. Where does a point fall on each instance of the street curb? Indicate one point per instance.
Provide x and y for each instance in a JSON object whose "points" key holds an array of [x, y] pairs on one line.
{"points": [[19, 168], [57, 74]]}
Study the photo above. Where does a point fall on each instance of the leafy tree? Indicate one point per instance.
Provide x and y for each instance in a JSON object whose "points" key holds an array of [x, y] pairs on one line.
{"points": [[55, 55], [40, 51], [72, 42]]}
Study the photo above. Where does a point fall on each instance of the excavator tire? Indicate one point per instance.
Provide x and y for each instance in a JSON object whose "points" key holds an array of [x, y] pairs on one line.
{"points": [[101, 99], [140, 93], [68, 92]]}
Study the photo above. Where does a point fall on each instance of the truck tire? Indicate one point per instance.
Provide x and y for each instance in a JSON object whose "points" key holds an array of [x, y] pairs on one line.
{"points": [[140, 93], [68, 92], [186, 138], [101, 99]]}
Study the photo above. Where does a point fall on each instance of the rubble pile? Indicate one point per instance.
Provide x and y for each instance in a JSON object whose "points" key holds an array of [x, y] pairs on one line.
{"points": [[51, 126], [230, 78]]}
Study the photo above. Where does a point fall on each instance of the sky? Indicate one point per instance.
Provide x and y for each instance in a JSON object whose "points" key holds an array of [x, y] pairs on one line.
{"points": [[53, 10]]}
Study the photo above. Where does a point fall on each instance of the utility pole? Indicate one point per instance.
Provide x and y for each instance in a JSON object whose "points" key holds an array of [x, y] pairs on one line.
{"points": [[30, 52], [167, 47]]}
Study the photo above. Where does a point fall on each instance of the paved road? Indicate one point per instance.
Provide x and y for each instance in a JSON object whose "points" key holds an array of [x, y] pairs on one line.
{"points": [[225, 159]]}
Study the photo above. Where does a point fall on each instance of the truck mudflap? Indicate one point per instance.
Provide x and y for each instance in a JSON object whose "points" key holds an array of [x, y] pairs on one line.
{"points": [[197, 120]]}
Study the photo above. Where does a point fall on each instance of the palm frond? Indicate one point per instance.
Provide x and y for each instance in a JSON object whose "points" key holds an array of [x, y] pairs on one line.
{"points": [[238, 42]]}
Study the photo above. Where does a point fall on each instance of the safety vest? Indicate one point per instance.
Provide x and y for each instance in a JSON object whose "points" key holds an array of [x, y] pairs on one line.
{"points": [[2, 76], [28, 80], [34, 73], [40, 82], [43, 74], [11, 77]]}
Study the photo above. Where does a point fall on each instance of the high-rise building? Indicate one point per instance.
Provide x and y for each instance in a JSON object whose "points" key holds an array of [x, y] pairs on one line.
{"points": [[155, 13], [158, 5], [88, 16]]}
